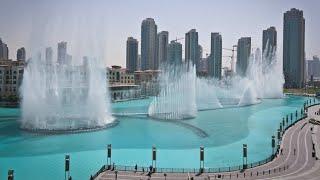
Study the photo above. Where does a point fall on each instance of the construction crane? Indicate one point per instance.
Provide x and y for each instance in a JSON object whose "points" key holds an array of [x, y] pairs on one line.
{"points": [[232, 56], [230, 59], [178, 39]]}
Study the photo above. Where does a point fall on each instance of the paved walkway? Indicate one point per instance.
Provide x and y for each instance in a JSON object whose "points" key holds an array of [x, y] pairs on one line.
{"points": [[295, 163]]}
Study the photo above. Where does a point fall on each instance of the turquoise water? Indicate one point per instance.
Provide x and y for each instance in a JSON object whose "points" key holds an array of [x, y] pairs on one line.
{"points": [[35, 156]]}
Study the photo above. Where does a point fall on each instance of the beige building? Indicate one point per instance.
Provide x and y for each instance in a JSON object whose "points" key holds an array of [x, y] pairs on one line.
{"points": [[122, 84], [118, 75], [148, 81], [11, 75]]}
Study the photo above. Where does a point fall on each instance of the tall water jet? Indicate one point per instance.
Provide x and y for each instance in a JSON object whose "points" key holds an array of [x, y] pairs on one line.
{"points": [[263, 79], [249, 96], [206, 96], [62, 97], [265, 72], [176, 99]]}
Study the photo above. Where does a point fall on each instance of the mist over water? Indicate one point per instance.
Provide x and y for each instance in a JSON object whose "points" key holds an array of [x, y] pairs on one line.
{"points": [[264, 79]]}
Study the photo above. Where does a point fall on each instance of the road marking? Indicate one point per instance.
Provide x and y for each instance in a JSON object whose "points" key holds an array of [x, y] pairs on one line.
{"points": [[296, 160]]}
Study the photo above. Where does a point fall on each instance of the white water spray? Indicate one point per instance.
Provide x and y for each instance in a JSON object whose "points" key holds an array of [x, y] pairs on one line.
{"points": [[264, 79], [64, 97]]}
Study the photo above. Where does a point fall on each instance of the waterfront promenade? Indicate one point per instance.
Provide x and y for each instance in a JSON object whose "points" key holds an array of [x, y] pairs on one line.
{"points": [[296, 159]]}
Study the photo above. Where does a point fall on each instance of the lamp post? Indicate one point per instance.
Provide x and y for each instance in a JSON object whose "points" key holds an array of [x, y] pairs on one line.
{"points": [[67, 167], [245, 156], [109, 149], [273, 145], [201, 159], [154, 158], [11, 174]]}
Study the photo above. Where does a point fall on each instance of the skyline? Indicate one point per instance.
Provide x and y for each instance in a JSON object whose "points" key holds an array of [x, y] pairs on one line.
{"points": [[123, 19]]}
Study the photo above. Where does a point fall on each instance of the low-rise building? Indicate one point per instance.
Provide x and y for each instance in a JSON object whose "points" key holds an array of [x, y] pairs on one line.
{"points": [[118, 75], [11, 75], [148, 81], [122, 84]]}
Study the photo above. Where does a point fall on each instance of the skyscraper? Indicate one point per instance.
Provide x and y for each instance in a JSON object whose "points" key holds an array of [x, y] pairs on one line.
{"points": [[4, 51], [199, 58], [314, 67], [85, 61], [243, 55], [269, 41], [215, 58], [62, 53], [294, 48], [192, 47], [132, 55], [21, 54], [49, 55], [148, 44], [175, 52], [163, 40]]}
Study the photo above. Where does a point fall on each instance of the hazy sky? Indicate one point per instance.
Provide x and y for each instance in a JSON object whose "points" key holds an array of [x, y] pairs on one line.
{"points": [[101, 27]]}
